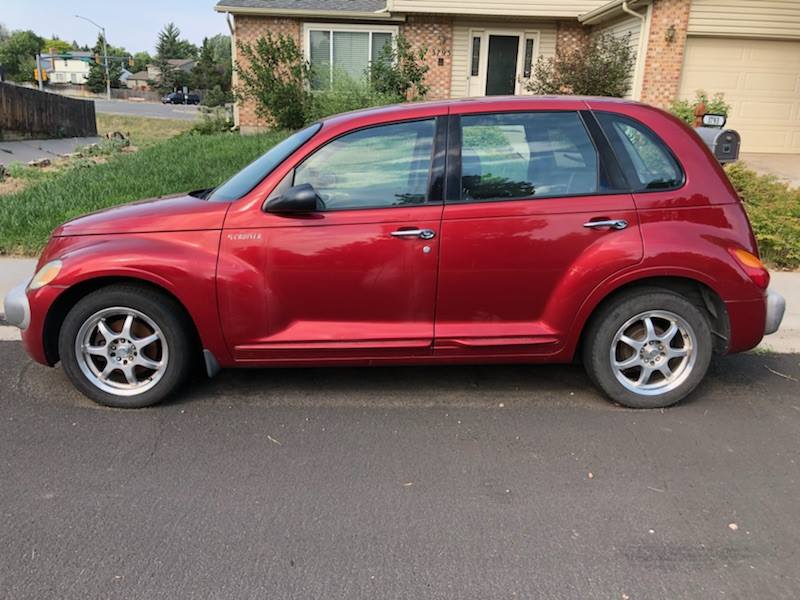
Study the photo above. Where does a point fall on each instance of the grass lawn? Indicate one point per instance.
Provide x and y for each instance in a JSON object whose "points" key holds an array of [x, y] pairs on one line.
{"points": [[177, 165], [143, 131]]}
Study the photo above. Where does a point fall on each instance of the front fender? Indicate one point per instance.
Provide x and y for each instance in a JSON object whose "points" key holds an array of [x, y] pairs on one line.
{"points": [[182, 263]]}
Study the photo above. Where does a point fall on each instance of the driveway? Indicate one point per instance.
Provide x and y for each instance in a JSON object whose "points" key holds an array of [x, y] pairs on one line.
{"points": [[154, 110], [785, 167]]}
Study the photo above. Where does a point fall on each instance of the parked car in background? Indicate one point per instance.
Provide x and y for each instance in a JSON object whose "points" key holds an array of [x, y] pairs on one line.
{"points": [[179, 98], [493, 230]]}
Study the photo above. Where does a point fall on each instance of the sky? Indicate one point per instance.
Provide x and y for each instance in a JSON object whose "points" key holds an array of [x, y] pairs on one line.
{"points": [[131, 24]]}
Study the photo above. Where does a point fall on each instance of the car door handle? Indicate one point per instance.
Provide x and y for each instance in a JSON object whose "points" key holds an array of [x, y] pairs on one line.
{"points": [[424, 234], [611, 224]]}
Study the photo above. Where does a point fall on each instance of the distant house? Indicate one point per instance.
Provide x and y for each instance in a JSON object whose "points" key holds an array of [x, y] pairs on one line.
{"points": [[138, 81], [142, 80], [67, 67], [182, 64]]}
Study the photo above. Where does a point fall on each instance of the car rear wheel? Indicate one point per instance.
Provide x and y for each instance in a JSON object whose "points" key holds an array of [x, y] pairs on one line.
{"points": [[126, 346], [648, 349]]}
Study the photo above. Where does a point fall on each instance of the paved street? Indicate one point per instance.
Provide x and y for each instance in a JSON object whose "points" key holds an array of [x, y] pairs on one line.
{"points": [[147, 109], [487, 482]]}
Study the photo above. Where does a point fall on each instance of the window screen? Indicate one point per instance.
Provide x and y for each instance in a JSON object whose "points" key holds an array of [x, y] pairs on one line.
{"points": [[521, 155], [376, 167]]}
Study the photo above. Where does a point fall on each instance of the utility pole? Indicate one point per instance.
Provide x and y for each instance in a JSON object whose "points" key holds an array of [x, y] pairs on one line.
{"points": [[39, 75], [105, 54]]}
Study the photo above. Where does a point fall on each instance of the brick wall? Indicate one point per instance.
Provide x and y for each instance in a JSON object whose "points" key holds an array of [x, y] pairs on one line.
{"points": [[665, 50], [435, 34], [570, 35], [248, 30]]}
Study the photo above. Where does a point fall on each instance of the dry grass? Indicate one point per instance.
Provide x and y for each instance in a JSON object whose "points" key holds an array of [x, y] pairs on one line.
{"points": [[143, 131]]}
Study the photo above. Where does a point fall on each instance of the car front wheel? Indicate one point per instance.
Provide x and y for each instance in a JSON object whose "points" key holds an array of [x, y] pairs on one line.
{"points": [[648, 349], [126, 346]]}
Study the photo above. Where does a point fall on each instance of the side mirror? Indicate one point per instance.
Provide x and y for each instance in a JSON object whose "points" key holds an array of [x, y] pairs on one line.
{"points": [[296, 200]]}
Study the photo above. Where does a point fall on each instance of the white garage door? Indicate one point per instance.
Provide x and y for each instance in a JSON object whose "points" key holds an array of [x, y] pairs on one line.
{"points": [[761, 81]]}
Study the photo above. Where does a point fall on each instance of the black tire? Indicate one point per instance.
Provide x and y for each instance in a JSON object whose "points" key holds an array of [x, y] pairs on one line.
{"points": [[613, 315], [164, 311]]}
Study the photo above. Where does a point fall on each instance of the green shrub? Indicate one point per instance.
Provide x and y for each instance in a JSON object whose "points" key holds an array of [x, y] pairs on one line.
{"points": [[277, 80], [774, 211], [602, 67], [216, 96], [345, 94], [211, 122], [684, 109], [399, 71]]}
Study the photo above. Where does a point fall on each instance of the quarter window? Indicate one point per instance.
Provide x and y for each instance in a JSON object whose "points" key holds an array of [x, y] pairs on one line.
{"points": [[648, 163], [377, 167], [523, 155]]}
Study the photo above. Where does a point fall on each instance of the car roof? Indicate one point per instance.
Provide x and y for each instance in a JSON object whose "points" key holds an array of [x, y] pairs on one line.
{"points": [[472, 105]]}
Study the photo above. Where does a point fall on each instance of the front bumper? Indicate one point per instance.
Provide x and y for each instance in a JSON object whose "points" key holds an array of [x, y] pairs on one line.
{"points": [[17, 308], [776, 306]]}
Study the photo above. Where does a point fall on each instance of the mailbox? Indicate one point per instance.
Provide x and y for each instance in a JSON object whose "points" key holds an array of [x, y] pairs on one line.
{"points": [[724, 143]]}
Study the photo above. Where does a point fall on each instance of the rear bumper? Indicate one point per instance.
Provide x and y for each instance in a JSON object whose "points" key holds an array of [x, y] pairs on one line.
{"points": [[776, 306]]}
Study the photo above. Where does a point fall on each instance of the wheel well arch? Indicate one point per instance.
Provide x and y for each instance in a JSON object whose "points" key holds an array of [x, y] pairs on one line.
{"points": [[66, 300], [697, 292]]}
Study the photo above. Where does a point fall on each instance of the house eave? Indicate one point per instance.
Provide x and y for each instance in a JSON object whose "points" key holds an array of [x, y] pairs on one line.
{"points": [[608, 11], [382, 15]]}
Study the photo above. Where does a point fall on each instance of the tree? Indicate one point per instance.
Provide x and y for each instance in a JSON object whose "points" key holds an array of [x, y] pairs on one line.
{"points": [[18, 53], [276, 78], [57, 45], [4, 33], [211, 74], [96, 80], [140, 61], [221, 47], [602, 67], [169, 44]]}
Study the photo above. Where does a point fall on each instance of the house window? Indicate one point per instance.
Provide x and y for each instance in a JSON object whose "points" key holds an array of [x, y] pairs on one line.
{"points": [[332, 49]]}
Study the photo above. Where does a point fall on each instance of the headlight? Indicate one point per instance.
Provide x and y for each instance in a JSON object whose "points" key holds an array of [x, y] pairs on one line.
{"points": [[45, 275]]}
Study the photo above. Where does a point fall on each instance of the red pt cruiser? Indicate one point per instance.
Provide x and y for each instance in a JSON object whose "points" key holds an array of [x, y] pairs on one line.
{"points": [[476, 231]]}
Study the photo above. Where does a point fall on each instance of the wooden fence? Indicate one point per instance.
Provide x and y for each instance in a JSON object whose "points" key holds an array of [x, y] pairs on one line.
{"points": [[27, 113]]}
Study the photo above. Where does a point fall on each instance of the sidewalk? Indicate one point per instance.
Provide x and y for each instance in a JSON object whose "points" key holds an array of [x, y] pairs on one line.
{"points": [[786, 340], [26, 150]]}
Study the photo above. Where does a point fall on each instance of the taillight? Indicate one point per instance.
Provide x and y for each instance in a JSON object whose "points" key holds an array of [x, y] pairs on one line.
{"points": [[752, 265]]}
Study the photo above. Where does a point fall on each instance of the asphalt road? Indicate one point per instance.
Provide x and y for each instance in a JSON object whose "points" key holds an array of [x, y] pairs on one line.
{"points": [[148, 109], [479, 482]]}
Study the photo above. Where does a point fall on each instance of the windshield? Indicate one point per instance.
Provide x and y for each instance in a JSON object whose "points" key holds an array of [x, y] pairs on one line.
{"points": [[245, 180]]}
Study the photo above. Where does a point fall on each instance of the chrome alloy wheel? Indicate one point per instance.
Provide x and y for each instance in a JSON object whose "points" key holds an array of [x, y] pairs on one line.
{"points": [[653, 352], [121, 351]]}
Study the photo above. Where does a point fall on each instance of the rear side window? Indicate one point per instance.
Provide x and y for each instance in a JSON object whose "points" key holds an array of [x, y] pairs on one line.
{"points": [[523, 155], [647, 162]]}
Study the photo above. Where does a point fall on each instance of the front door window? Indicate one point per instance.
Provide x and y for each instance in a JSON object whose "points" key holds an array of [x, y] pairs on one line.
{"points": [[502, 65]]}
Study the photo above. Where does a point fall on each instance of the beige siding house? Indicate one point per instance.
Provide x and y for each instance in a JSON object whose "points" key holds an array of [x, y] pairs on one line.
{"points": [[747, 49]]}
